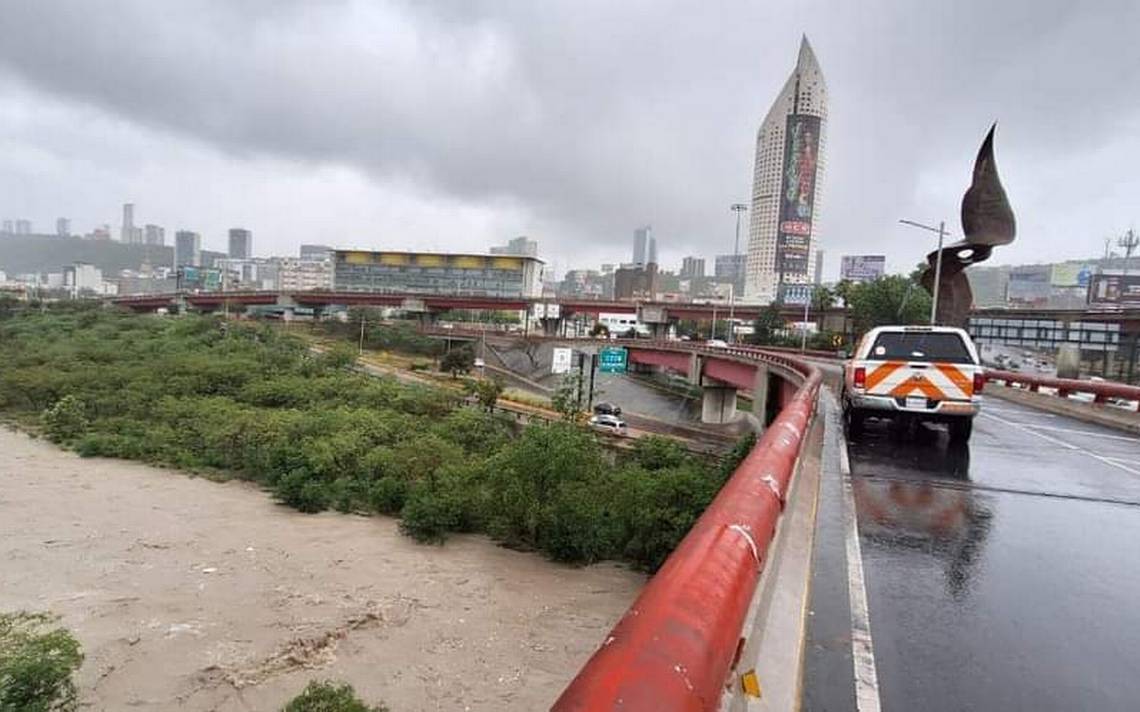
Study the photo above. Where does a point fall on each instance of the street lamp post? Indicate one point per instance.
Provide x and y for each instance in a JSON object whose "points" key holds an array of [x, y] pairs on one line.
{"points": [[737, 208], [941, 230]]}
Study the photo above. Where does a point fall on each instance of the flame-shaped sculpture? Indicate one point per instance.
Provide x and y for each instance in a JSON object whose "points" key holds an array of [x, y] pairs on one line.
{"points": [[987, 221]]}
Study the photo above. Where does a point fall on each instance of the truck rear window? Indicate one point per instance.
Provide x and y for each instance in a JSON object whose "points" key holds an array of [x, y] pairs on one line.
{"points": [[920, 346]]}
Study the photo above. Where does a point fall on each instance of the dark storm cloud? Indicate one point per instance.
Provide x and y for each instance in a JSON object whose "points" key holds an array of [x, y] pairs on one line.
{"points": [[598, 116]]}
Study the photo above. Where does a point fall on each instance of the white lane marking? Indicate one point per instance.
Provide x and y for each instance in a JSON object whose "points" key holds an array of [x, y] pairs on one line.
{"points": [[1062, 443], [1074, 431], [862, 648]]}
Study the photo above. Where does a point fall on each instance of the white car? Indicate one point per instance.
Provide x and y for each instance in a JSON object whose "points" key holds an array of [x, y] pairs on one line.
{"points": [[608, 424], [716, 344]]}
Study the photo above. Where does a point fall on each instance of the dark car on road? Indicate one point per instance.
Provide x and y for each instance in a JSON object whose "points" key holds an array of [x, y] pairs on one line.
{"points": [[606, 408]]}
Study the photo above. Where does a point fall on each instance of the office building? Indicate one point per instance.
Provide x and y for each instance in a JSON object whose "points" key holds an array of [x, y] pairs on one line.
{"points": [[62, 227], [729, 269], [82, 279], [521, 246], [9, 227], [788, 172], [818, 267], [23, 227], [693, 268], [128, 233], [437, 273], [311, 253], [154, 235], [241, 244], [294, 275], [636, 282], [209, 259], [641, 237], [651, 251], [187, 249]]}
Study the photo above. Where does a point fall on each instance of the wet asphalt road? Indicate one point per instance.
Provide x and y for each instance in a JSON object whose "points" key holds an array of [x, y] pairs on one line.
{"points": [[634, 396], [1004, 575]]}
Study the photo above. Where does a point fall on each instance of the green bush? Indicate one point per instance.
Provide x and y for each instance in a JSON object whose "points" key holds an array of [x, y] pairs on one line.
{"points": [[66, 420], [387, 495], [36, 664], [327, 696], [300, 490]]}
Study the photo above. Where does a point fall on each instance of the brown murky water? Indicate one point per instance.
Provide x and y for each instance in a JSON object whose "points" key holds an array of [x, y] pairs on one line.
{"points": [[193, 595]]}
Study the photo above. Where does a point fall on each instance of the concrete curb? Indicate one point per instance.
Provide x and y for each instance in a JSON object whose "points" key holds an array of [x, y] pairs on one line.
{"points": [[1086, 412]]}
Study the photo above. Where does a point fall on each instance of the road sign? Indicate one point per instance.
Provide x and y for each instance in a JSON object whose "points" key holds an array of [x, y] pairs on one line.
{"points": [[612, 359], [561, 362]]}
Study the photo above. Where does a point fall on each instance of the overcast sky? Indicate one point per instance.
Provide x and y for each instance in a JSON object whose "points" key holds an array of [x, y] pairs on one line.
{"points": [[457, 124]]}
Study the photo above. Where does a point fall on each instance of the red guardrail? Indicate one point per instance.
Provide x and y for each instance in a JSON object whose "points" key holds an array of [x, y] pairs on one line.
{"points": [[677, 644], [1100, 390]]}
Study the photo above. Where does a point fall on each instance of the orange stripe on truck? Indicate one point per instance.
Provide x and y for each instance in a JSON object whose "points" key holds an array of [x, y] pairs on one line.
{"points": [[928, 389], [963, 382], [881, 373]]}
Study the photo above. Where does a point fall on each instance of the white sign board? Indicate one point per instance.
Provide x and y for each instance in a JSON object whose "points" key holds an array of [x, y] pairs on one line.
{"points": [[553, 311], [538, 311], [561, 361]]}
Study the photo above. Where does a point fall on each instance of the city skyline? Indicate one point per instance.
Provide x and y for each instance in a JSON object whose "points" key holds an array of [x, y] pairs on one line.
{"points": [[82, 122]]}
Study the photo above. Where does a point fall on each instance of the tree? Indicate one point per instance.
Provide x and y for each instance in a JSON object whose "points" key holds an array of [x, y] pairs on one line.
{"points": [[457, 361], [767, 323], [893, 299], [565, 398], [843, 290], [600, 330], [487, 391]]}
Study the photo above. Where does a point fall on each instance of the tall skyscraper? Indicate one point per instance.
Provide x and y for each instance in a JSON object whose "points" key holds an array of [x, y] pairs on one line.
{"points": [[241, 244], [23, 227], [127, 233], [651, 256], [62, 227], [641, 238], [788, 173], [154, 235], [730, 268], [187, 249], [9, 227]]}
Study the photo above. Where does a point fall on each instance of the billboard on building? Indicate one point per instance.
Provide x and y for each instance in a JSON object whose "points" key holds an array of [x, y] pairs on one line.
{"points": [[1115, 289], [797, 194], [1030, 285], [200, 278], [1071, 274], [862, 268]]}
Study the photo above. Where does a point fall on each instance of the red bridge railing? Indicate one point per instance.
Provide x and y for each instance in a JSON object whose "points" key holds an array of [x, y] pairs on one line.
{"points": [[676, 646], [1101, 391]]}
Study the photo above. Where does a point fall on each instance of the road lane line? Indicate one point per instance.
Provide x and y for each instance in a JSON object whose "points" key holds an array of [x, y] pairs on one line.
{"points": [[862, 648], [1062, 443], [1073, 431]]}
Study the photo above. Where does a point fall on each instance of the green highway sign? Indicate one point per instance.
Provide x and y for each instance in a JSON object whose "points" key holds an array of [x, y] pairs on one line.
{"points": [[612, 359]]}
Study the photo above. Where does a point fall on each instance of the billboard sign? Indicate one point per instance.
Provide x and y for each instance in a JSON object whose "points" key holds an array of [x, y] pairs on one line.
{"points": [[561, 360], [613, 359], [652, 315], [796, 293], [1115, 289], [862, 268], [1030, 284], [797, 194], [1071, 274]]}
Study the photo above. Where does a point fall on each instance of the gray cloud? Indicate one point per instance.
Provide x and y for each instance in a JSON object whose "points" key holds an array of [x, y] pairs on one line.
{"points": [[584, 119]]}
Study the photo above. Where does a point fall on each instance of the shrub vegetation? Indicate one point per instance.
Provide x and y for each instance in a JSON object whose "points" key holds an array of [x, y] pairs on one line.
{"points": [[36, 664], [248, 400], [325, 696]]}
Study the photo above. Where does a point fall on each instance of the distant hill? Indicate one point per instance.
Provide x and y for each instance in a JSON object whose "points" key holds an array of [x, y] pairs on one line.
{"points": [[20, 254]]}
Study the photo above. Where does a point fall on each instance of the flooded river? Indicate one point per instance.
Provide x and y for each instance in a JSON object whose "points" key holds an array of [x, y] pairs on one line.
{"points": [[193, 595]]}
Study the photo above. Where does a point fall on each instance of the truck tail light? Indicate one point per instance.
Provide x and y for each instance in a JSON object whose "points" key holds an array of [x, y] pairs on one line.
{"points": [[860, 377], [979, 381]]}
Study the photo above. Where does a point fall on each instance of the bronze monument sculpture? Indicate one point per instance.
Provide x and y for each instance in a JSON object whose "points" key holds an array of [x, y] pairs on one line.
{"points": [[987, 221]]}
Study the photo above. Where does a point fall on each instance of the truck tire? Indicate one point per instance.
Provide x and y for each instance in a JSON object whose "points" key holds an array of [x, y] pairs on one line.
{"points": [[961, 429], [853, 422]]}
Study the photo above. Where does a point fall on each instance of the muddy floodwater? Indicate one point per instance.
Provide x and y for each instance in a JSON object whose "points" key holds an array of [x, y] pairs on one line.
{"points": [[193, 595]]}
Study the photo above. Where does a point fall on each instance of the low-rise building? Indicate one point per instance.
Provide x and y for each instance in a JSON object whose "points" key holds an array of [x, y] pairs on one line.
{"points": [[294, 275], [437, 273]]}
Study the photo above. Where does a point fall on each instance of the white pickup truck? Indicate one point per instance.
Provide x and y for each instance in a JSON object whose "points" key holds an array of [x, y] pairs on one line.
{"points": [[911, 374]]}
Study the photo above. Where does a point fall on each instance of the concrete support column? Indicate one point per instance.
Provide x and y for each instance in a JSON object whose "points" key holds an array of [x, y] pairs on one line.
{"points": [[760, 397], [718, 404], [659, 331]]}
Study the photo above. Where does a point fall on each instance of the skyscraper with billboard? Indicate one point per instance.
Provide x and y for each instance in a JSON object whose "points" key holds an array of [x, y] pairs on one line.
{"points": [[788, 171]]}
